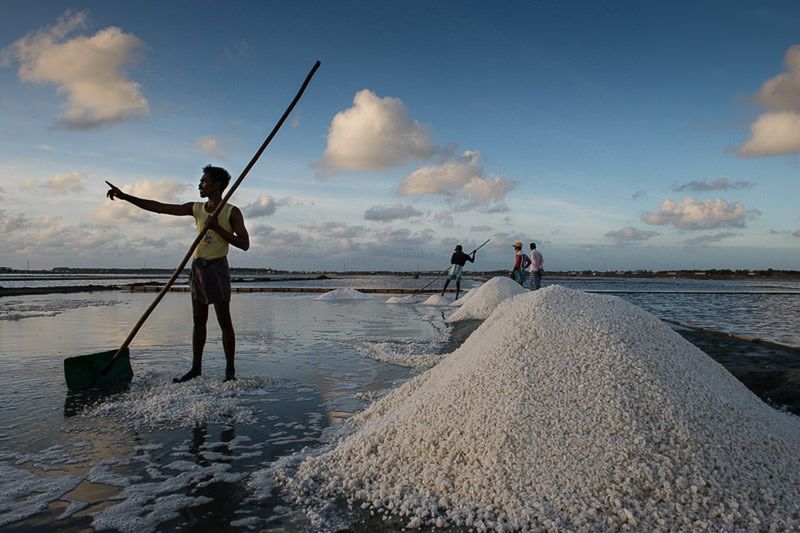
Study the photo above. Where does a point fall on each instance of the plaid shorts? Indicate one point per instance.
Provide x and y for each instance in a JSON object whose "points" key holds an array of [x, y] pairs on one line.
{"points": [[210, 280], [455, 272]]}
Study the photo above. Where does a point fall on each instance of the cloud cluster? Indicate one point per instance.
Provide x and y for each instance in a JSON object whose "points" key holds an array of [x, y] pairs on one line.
{"points": [[719, 184], [264, 206], [777, 132], [65, 183], [89, 70], [400, 242], [796, 233], [462, 181], [387, 213], [336, 230], [692, 215], [704, 240], [629, 235], [375, 134]]}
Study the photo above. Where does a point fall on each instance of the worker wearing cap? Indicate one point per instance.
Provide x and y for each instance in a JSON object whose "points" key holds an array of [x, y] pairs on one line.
{"points": [[518, 272], [457, 262]]}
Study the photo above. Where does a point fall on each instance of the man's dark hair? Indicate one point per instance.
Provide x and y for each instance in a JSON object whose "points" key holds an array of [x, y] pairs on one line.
{"points": [[218, 174], [458, 247], [533, 246]]}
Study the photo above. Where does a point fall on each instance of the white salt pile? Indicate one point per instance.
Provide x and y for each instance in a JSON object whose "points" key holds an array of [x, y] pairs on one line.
{"points": [[342, 294], [589, 414], [437, 299], [480, 304], [410, 354], [401, 300]]}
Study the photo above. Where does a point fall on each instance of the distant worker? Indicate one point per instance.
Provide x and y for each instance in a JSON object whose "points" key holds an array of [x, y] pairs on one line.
{"points": [[536, 268], [457, 262], [209, 275], [521, 262]]}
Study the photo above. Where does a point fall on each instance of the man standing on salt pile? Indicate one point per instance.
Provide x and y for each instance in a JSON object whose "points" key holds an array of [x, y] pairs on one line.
{"points": [[457, 262], [209, 276], [537, 267], [521, 262]]}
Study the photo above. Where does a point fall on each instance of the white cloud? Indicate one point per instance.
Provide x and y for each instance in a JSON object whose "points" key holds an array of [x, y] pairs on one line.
{"points": [[375, 134], [692, 215], [89, 70], [117, 211], [782, 93], [629, 235], [400, 242], [335, 229], [264, 206], [777, 132], [462, 180], [773, 134], [480, 228], [387, 213], [704, 240], [213, 146], [280, 243], [719, 184], [65, 183]]}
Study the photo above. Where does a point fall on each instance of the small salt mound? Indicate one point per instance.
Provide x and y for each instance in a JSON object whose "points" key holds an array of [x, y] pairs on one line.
{"points": [[437, 299], [486, 298], [590, 414], [342, 294], [466, 296], [401, 300], [153, 402]]}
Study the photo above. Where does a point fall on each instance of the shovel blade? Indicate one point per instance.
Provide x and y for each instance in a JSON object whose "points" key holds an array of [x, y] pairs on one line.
{"points": [[84, 371]]}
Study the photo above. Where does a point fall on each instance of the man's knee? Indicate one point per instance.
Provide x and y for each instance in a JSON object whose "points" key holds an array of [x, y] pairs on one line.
{"points": [[223, 316], [199, 314]]}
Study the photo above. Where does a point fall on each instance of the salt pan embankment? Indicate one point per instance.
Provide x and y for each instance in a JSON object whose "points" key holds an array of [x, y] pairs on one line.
{"points": [[568, 411], [479, 303]]}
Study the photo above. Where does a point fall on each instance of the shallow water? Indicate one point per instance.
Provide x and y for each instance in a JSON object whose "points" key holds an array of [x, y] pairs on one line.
{"points": [[301, 370], [304, 367]]}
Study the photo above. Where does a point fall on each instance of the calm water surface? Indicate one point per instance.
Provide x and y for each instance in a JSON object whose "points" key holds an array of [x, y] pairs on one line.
{"points": [[164, 456]]}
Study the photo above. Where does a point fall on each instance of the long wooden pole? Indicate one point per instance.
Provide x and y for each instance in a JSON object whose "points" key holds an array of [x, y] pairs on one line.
{"points": [[200, 234]]}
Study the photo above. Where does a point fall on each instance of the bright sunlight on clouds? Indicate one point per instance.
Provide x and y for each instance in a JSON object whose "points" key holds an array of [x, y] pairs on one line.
{"points": [[692, 215], [375, 134], [89, 70], [462, 181], [777, 132]]}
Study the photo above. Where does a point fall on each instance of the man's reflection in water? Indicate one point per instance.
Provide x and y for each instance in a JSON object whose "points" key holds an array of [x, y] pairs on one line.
{"points": [[226, 497], [201, 449]]}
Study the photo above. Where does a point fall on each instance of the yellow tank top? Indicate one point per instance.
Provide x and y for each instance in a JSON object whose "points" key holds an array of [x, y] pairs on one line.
{"points": [[212, 245]]}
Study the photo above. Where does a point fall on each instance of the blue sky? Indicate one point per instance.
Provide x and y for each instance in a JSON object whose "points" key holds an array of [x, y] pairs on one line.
{"points": [[619, 135]]}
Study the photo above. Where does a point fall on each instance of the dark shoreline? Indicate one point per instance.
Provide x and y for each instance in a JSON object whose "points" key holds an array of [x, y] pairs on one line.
{"points": [[28, 291], [710, 274]]}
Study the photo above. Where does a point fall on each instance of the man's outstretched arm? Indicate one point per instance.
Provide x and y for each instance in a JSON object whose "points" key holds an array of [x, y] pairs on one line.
{"points": [[150, 205]]}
